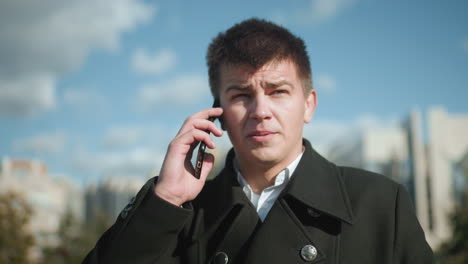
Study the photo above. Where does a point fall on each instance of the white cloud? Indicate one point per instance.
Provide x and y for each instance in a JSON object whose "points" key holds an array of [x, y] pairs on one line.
{"points": [[42, 40], [322, 10], [134, 150], [24, 96], [84, 99], [326, 133], [138, 162], [371, 121], [325, 83], [45, 143], [184, 90], [157, 63], [323, 133], [316, 12], [124, 136], [121, 136]]}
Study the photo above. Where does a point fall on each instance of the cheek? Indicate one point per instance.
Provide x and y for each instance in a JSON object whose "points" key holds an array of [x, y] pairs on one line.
{"points": [[287, 110], [232, 118], [291, 117]]}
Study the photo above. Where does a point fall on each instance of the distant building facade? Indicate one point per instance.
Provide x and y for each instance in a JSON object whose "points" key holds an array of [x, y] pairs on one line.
{"points": [[447, 152], [110, 197], [434, 170], [50, 197]]}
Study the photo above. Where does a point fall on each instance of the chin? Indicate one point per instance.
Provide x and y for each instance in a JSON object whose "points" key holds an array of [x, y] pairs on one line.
{"points": [[265, 156]]}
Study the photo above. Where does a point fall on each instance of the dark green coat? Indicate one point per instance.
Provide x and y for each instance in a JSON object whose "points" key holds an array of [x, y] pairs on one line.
{"points": [[348, 215]]}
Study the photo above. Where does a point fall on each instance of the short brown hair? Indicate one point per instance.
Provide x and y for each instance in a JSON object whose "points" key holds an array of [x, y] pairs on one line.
{"points": [[256, 42]]}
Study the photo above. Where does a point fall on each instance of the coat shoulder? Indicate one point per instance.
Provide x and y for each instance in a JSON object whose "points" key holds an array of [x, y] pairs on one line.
{"points": [[352, 175], [362, 184]]}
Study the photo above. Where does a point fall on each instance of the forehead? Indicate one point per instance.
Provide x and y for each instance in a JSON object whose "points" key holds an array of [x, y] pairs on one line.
{"points": [[271, 71]]}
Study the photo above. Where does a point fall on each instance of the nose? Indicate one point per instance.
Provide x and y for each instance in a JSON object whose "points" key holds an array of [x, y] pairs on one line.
{"points": [[260, 108]]}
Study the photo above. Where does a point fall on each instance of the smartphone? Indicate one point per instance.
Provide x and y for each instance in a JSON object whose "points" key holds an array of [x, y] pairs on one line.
{"points": [[202, 148]]}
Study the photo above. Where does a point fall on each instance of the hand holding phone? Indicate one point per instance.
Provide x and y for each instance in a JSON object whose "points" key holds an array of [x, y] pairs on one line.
{"points": [[177, 182], [202, 148]]}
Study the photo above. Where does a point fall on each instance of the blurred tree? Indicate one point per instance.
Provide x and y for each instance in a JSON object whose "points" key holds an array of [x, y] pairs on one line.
{"points": [[92, 232], [16, 239], [75, 239], [455, 251]]}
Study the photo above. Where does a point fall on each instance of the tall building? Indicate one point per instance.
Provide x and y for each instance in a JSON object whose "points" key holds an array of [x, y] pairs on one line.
{"points": [[110, 197], [381, 150], [434, 170], [50, 197], [447, 151]]}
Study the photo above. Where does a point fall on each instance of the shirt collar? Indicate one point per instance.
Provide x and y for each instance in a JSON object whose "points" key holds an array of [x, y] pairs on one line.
{"points": [[282, 178], [316, 182]]}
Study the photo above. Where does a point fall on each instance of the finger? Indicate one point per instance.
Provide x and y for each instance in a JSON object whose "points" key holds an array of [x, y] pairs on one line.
{"points": [[192, 137], [202, 115], [201, 124], [209, 112], [204, 136], [209, 126]]}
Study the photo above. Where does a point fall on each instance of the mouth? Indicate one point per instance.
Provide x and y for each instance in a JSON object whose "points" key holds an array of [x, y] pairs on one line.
{"points": [[261, 135]]}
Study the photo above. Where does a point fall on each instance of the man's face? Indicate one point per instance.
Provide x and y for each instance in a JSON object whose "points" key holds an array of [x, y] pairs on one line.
{"points": [[264, 111]]}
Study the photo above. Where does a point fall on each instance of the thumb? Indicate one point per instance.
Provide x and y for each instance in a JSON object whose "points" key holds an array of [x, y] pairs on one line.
{"points": [[208, 163]]}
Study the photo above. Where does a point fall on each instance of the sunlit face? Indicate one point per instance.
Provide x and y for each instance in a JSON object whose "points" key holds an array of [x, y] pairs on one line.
{"points": [[264, 111]]}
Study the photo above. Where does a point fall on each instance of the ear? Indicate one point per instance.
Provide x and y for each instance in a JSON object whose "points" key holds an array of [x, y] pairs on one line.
{"points": [[310, 105]]}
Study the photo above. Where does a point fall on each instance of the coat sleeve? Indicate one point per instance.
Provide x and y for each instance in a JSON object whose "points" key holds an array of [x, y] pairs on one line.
{"points": [[147, 231], [410, 243]]}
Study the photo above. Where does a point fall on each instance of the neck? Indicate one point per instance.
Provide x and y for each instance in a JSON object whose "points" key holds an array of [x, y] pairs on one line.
{"points": [[260, 175]]}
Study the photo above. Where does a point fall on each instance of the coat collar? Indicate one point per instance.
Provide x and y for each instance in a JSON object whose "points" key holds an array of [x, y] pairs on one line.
{"points": [[316, 182]]}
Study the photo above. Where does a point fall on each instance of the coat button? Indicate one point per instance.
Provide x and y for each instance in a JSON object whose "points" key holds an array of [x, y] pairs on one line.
{"points": [[124, 214], [126, 210], [220, 258], [312, 212], [309, 253]]}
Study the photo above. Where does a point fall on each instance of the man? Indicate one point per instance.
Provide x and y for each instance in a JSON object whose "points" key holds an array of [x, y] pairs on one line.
{"points": [[276, 200]]}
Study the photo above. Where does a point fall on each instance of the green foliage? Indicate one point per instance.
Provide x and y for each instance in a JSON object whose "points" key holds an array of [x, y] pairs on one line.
{"points": [[75, 239], [16, 240], [455, 251]]}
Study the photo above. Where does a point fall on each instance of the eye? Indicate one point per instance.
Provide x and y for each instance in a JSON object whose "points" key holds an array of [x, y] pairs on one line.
{"points": [[279, 92], [239, 96]]}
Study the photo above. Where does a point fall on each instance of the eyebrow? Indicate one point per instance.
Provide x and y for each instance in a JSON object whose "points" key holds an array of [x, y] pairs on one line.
{"points": [[279, 84], [246, 86], [238, 87]]}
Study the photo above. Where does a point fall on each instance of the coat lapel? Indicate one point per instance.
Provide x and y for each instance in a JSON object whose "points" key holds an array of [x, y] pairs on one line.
{"points": [[317, 183], [231, 218], [309, 212], [281, 238]]}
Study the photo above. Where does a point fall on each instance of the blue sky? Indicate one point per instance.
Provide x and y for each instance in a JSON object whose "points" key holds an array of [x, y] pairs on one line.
{"points": [[98, 88]]}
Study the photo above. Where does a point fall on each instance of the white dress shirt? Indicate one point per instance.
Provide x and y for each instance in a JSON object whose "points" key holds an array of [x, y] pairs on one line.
{"points": [[265, 200]]}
